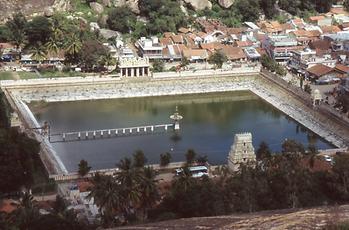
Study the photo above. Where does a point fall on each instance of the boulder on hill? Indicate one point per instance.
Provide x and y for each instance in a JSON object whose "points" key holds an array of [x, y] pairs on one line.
{"points": [[96, 7], [133, 4], [225, 3], [106, 3], [199, 4]]}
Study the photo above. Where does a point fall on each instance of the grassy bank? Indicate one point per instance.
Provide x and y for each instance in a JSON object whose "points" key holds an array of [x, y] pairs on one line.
{"points": [[6, 75]]}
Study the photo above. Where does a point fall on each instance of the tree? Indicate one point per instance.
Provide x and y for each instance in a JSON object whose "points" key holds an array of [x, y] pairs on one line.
{"points": [[121, 19], [18, 156], [107, 60], [17, 28], [268, 7], [218, 58], [108, 196], [91, 52], [129, 177], [38, 30], [341, 172], [84, 168], [280, 70], [149, 190], [27, 214], [72, 47], [139, 159], [346, 4], [163, 15], [249, 9], [5, 34], [190, 156], [52, 45], [165, 159], [38, 53], [202, 159], [263, 151], [158, 66], [184, 62], [307, 88], [292, 146]]}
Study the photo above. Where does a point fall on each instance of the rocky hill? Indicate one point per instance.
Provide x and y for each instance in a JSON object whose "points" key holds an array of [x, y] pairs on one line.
{"points": [[41, 7], [315, 218], [29, 7]]}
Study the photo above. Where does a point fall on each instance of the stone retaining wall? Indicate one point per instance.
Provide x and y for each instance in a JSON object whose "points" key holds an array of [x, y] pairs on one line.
{"points": [[91, 89]]}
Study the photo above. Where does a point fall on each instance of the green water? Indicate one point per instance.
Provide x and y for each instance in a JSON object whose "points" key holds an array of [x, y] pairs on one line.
{"points": [[209, 124]]}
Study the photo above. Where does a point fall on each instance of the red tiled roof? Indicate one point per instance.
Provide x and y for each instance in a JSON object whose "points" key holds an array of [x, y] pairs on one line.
{"points": [[320, 44], [319, 70], [211, 45], [189, 53], [233, 53], [316, 18], [178, 39], [183, 30], [342, 68], [330, 29], [338, 10], [166, 41], [6, 45], [8, 205], [84, 186], [168, 34], [243, 43]]}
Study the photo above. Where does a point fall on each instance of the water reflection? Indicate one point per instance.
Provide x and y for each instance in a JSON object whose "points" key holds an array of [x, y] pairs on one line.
{"points": [[209, 124]]}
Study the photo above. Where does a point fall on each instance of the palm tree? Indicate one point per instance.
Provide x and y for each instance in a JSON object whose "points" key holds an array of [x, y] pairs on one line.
{"points": [[185, 180], [129, 178], [149, 190], [108, 196], [38, 53], [73, 45], [52, 45], [27, 213], [107, 60]]}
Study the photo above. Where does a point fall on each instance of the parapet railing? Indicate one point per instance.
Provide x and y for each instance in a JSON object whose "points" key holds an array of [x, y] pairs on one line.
{"points": [[305, 97]]}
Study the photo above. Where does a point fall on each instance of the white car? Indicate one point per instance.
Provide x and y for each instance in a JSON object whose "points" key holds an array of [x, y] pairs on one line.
{"points": [[328, 158]]}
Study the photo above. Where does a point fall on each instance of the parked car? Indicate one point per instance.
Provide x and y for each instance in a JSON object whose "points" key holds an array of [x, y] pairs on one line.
{"points": [[328, 158]]}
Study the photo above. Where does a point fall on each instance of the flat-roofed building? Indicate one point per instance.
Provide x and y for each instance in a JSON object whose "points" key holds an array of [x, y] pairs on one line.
{"points": [[134, 67], [150, 48], [304, 59], [279, 47]]}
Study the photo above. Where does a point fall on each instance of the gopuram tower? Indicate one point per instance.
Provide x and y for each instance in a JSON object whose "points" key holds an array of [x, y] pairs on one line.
{"points": [[241, 152]]}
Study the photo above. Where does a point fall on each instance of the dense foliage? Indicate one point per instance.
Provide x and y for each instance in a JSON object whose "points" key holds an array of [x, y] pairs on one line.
{"points": [[43, 36], [121, 19], [278, 181], [163, 15], [28, 217], [272, 65], [217, 58], [129, 194], [300, 7], [18, 154]]}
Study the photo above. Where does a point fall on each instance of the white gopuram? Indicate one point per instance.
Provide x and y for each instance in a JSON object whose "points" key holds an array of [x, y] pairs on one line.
{"points": [[241, 152], [316, 97]]}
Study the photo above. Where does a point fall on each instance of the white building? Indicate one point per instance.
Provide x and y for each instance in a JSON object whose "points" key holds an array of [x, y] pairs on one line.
{"points": [[134, 67], [307, 58], [150, 48], [279, 47]]}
